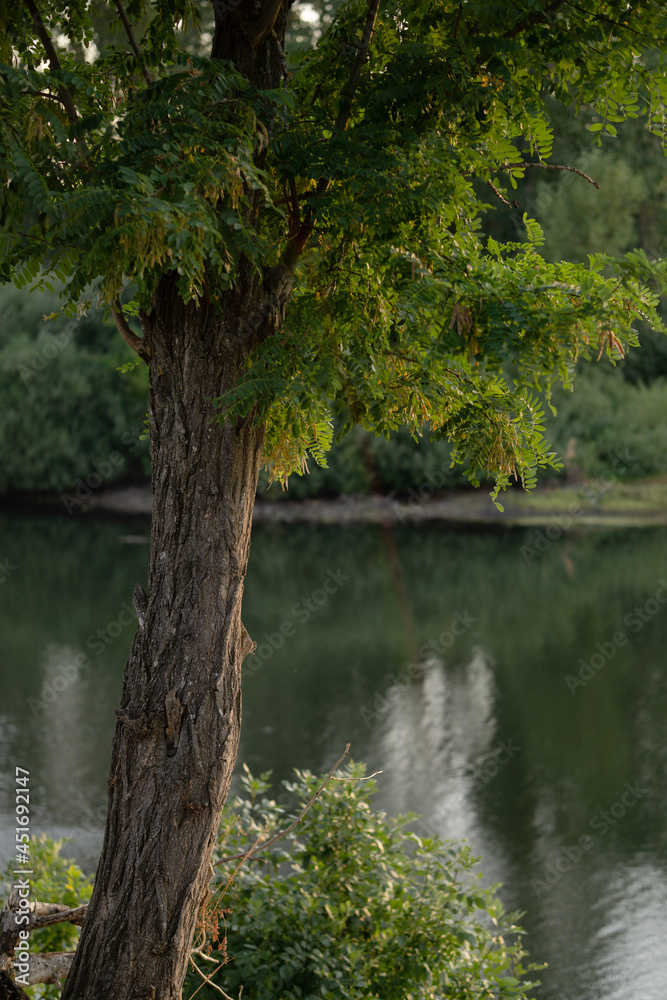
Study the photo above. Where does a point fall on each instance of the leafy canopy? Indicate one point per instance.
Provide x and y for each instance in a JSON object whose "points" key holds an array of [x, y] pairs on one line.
{"points": [[366, 173]]}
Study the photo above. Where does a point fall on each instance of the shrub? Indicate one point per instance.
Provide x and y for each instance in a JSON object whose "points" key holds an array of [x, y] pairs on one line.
{"points": [[607, 416], [54, 880], [65, 406], [354, 907]]}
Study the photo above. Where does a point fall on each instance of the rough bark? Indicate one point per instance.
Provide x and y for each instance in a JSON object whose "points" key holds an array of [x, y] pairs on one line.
{"points": [[178, 724]]}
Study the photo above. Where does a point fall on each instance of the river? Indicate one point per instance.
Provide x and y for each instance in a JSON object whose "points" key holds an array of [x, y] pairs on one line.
{"points": [[538, 729]]}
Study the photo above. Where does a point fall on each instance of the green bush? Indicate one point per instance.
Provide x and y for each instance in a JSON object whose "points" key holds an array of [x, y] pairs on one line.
{"points": [[354, 907], [55, 880], [607, 416], [65, 406]]}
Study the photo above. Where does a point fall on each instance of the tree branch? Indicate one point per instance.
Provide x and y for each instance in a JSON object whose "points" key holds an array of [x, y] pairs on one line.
{"points": [[298, 241], [608, 20], [267, 843], [263, 26], [532, 19], [132, 40], [50, 968], [500, 195], [127, 333], [345, 112], [46, 914], [551, 166], [54, 61]]}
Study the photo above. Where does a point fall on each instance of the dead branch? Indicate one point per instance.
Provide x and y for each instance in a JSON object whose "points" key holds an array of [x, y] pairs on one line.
{"points": [[208, 980], [75, 915], [43, 968], [267, 843], [50, 968]]}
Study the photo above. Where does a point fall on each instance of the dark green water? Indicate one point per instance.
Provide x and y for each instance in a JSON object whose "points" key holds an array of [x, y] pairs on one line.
{"points": [[561, 787]]}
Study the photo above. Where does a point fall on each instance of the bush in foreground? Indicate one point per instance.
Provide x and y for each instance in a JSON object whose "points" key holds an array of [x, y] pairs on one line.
{"points": [[54, 880], [351, 906]]}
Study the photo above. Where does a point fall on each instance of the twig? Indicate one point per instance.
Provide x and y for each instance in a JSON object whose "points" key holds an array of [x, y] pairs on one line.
{"points": [[550, 166], [367, 777], [267, 843], [609, 20], [133, 42], [207, 979], [501, 196], [202, 954]]}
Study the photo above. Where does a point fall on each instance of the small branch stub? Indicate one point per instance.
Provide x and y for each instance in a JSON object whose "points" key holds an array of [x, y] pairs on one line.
{"points": [[138, 345]]}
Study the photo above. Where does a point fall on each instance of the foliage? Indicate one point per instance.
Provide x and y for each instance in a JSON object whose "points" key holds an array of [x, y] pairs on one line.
{"points": [[66, 409], [55, 880], [356, 906], [400, 314], [607, 417], [361, 462]]}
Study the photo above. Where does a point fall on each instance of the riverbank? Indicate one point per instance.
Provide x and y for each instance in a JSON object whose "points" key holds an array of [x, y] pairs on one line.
{"points": [[592, 503]]}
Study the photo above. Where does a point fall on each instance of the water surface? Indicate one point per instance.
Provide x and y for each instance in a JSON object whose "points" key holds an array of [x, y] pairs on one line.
{"points": [[553, 768]]}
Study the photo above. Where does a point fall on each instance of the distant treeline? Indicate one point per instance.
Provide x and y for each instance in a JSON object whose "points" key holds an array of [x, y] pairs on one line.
{"points": [[67, 412]]}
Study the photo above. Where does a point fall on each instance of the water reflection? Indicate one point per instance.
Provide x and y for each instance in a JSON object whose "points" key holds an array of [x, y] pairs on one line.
{"points": [[562, 788]]}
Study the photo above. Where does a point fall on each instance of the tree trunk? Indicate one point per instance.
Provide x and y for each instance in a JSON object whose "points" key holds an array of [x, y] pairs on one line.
{"points": [[178, 724], [178, 727]]}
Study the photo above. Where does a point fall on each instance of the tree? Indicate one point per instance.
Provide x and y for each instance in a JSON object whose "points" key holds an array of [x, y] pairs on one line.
{"points": [[302, 238]]}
